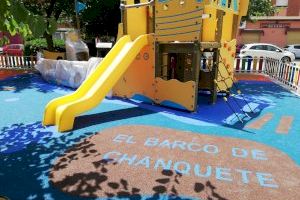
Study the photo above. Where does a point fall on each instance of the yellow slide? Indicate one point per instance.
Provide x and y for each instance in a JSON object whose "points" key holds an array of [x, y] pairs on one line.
{"points": [[62, 111]]}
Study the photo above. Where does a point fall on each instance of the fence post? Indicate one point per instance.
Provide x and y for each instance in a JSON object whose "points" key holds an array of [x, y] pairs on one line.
{"points": [[266, 68], [298, 81], [255, 62], [31, 61], [261, 64], [297, 76], [244, 61], [249, 64], [17, 62], [2, 61], [238, 62]]}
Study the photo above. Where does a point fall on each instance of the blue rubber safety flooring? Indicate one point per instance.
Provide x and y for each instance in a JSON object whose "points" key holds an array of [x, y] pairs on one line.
{"points": [[28, 150]]}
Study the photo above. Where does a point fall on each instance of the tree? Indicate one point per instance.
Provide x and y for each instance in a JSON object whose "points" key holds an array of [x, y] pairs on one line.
{"points": [[50, 11], [261, 8], [101, 17], [14, 18], [33, 17]]}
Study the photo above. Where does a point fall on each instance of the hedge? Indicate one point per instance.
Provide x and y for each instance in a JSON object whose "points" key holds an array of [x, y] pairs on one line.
{"points": [[36, 45]]}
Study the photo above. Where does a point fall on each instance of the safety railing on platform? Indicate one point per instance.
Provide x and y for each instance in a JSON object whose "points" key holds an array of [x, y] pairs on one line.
{"points": [[286, 73], [17, 62]]}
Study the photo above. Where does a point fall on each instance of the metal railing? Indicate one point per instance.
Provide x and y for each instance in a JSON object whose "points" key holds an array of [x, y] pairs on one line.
{"points": [[124, 6], [286, 73], [17, 62]]}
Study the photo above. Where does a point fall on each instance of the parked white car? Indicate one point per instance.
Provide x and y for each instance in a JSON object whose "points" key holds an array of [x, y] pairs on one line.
{"points": [[294, 48], [266, 51]]}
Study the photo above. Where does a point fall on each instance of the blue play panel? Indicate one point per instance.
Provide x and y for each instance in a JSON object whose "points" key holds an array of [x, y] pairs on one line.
{"points": [[28, 150]]}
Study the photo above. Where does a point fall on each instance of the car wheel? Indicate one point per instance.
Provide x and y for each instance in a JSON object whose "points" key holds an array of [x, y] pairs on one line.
{"points": [[286, 59]]}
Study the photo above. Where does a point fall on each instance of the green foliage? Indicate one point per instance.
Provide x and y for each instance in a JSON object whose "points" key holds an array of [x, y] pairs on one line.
{"points": [[50, 11], [101, 17], [52, 26], [4, 41], [261, 8], [33, 17], [35, 45], [19, 12], [14, 18], [37, 26]]}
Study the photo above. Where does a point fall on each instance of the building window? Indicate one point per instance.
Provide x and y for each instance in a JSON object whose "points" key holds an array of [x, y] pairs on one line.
{"points": [[282, 3]]}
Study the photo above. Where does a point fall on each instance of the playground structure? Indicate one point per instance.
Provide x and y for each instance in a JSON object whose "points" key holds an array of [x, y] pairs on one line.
{"points": [[166, 52]]}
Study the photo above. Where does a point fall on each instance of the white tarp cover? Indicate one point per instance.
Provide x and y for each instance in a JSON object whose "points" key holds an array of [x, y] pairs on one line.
{"points": [[66, 73], [76, 49]]}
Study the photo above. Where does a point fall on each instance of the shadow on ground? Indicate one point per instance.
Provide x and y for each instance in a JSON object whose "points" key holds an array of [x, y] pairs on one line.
{"points": [[27, 152], [110, 116], [89, 184], [30, 81]]}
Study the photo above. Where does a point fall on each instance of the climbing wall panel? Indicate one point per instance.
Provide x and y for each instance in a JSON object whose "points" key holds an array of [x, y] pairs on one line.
{"points": [[226, 66]]}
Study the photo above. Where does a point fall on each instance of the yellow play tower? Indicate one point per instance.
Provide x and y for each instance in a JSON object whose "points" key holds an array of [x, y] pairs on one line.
{"points": [[166, 51]]}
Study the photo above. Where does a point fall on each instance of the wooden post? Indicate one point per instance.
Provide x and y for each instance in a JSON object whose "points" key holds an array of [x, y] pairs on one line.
{"points": [[158, 60], [220, 15], [153, 13], [215, 69], [196, 66]]}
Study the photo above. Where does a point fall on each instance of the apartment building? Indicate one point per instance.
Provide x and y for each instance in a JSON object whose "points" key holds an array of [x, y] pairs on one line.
{"points": [[281, 29]]}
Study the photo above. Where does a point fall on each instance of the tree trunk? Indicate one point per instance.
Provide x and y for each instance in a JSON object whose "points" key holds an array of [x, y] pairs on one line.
{"points": [[49, 40]]}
